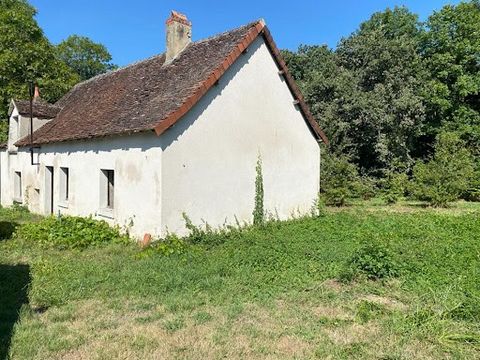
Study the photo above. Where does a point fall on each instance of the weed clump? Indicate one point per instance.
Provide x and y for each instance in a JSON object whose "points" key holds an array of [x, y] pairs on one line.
{"points": [[372, 260], [171, 245], [69, 232], [367, 310]]}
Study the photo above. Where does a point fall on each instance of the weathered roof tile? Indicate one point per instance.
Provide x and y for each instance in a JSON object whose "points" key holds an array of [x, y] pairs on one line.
{"points": [[41, 109]]}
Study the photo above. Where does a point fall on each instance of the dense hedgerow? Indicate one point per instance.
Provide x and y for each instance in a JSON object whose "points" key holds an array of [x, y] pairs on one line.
{"points": [[70, 232]]}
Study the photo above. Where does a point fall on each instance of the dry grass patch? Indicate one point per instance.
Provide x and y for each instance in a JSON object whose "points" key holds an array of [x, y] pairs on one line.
{"points": [[388, 302], [108, 332], [332, 312], [354, 333]]}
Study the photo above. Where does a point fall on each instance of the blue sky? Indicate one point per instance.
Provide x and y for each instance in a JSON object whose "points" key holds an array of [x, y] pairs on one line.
{"points": [[134, 30]]}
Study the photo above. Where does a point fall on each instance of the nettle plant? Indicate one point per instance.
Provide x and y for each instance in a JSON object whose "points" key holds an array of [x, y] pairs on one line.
{"points": [[373, 260]]}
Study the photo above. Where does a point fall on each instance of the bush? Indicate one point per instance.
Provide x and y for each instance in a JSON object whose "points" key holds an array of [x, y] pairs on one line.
{"points": [[395, 186], [473, 191], [373, 260], [339, 179], [447, 175], [70, 232], [365, 187]]}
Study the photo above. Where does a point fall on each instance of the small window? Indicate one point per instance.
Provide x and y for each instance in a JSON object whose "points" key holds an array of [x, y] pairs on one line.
{"points": [[107, 184], [17, 184], [64, 184]]}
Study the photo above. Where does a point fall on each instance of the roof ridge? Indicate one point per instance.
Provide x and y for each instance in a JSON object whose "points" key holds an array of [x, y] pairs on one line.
{"points": [[43, 102], [138, 62], [213, 37]]}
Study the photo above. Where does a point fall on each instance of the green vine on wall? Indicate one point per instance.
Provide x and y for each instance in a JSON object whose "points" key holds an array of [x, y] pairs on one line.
{"points": [[258, 212]]}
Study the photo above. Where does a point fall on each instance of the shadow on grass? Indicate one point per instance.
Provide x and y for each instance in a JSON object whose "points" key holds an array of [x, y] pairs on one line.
{"points": [[6, 229], [14, 282]]}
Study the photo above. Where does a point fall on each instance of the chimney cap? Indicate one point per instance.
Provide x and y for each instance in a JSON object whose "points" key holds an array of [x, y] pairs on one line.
{"points": [[36, 95], [175, 16]]}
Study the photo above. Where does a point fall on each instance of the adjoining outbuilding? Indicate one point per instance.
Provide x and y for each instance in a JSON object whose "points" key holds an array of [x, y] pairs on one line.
{"points": [[177, 133]]}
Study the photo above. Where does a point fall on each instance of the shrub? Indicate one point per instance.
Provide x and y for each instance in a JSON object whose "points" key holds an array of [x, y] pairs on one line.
{"points": [[395, 186], [447, 175], [339, 179], [365, 187], [473, 191], [373, 260], [70, 232]]}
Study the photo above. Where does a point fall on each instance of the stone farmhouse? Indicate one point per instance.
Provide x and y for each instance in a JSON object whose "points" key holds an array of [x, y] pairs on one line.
{"points": [[177, 133]]}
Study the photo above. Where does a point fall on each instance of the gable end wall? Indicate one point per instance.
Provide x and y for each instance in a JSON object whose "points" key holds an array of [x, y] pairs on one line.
{"points": [[209, 156]]}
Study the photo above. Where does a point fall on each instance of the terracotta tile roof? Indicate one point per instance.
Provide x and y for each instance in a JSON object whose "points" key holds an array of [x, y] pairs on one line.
{"points": [[41, 109], [149, 95]]}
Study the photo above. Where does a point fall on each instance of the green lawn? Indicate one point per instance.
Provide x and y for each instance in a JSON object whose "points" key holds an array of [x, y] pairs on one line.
{"points": [[258, 293]]}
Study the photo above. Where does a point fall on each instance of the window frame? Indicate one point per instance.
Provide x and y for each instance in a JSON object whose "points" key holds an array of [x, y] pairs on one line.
{"points": [[17, 187], [110, 174], [64, 184], [107, 192]]}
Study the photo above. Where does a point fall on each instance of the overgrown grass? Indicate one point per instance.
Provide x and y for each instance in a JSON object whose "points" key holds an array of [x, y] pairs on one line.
{"points": [[261, 292]]}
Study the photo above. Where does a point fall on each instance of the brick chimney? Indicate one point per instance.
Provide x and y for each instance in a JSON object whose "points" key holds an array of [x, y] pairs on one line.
{"points": [[179, 35], [36, 94]]}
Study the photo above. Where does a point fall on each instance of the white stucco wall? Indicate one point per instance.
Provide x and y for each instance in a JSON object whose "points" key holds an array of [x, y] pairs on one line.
{"points": [[136, 160], [210, 155]]}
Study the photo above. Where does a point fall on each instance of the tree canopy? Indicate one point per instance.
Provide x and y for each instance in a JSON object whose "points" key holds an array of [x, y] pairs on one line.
{"points": [[84, 56], [451, 49], [388, 89], [27, 55]]}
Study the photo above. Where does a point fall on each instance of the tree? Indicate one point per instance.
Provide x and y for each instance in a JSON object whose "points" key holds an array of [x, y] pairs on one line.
{"points": [[368, 93], [330, 90], [84, 56], [451, 49], [388, 116], [26, 55]]}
